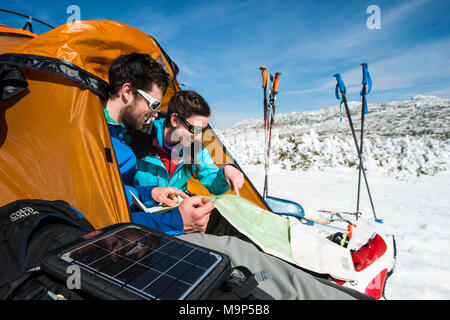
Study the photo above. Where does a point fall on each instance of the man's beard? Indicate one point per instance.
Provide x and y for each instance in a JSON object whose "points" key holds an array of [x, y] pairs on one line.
{"points": [[130, 119]]}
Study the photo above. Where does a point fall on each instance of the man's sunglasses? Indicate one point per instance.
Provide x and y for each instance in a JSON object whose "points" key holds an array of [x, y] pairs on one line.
{"points": [[193, 129], [153, 103]]}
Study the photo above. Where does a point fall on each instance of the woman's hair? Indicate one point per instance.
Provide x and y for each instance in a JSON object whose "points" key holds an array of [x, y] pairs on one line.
{"points": [[188, 103], [185, 104]]}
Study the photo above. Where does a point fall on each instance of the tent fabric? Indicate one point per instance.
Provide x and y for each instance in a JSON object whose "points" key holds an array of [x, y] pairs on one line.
{"points": [[54, 145], [54, 141], [13, 37]]}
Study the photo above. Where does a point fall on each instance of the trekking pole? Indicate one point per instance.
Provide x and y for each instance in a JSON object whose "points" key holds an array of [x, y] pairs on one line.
{"points": [[340, 87], [367, 84], [271, 113], [273, 97], [356, 214], [273, 100], [308, 221], [266, 115], [264, 85], [363, 94]]}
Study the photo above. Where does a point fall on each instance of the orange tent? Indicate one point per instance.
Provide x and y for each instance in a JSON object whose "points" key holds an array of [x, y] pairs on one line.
{"points": [[13, 37], [54, 142]]}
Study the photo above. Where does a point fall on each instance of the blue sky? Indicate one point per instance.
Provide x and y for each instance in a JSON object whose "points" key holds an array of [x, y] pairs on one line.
{"points": [[220, 45]]}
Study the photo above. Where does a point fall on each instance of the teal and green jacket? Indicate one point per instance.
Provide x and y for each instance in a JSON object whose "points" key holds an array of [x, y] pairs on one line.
{"points": [[151, 170]]}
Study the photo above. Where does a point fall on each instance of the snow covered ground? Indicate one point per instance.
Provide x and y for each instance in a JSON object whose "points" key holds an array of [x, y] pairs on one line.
{"points": [[416, 212], [407, 157]]}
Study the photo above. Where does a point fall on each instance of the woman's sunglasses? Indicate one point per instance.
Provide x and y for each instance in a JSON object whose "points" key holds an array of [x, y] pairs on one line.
{"points": [[153, 103], [193, 129]]}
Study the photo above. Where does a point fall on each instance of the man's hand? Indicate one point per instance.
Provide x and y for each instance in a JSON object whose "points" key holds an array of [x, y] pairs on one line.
{"points": [[168, 195], [234, 178], [195, 212]]}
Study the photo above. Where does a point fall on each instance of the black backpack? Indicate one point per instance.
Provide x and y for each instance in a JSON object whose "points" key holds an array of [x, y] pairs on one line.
{"points": [[30, 228]]}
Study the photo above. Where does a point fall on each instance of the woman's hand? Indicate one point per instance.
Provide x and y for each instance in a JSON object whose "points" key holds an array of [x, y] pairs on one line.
{"points": [[234, 178], [168, 195]]}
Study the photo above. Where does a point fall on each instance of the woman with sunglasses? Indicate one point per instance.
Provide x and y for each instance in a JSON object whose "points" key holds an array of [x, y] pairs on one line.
{"points": [[174, 152]]}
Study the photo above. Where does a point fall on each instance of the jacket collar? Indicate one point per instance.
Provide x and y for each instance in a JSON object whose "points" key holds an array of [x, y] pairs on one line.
{"points": [[117, 129], [158, 135], [158, 128]]}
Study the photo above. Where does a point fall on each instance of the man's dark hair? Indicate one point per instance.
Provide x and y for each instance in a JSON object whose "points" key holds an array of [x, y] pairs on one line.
{"points": [[138, 69]]}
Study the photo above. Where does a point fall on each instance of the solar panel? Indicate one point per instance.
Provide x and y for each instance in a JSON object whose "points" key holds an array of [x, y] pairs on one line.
{"points": [[142, 262]]}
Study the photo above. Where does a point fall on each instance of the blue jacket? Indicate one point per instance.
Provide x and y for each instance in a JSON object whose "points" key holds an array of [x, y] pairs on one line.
{"points": [[152, 172], [169, 222]]}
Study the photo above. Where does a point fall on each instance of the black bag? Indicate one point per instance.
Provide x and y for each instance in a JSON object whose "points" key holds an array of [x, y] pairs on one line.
{"points": [[132, 262], [30, 228]]}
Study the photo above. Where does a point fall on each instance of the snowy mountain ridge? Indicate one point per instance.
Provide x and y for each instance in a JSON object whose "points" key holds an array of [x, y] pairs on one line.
{"points": [[401, 138]]}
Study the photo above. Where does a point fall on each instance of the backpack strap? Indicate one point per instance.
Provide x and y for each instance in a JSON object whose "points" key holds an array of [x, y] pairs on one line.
{"points": [[244, 285], [41, 287]]}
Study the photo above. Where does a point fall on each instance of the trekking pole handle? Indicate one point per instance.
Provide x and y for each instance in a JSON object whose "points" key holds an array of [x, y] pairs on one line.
{"points": [[365, 71], [275, 82], [367, 81], [340, 84], [264, 75]]}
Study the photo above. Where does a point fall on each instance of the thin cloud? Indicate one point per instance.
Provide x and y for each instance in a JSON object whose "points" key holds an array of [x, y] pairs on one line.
{"points": [[424, 63], [324, 88], [442, 92], [400, 12]]}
